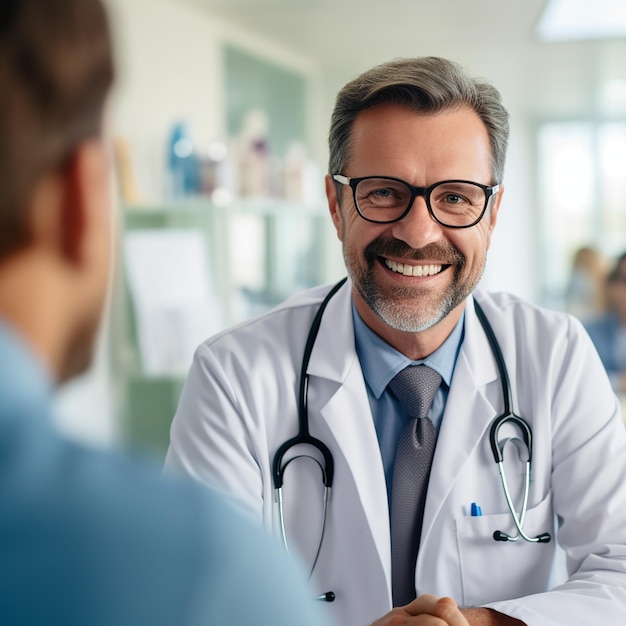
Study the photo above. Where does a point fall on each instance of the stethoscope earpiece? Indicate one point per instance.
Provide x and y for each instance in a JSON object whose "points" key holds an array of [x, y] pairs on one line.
{"points": [[329, 596], [498, 535]]}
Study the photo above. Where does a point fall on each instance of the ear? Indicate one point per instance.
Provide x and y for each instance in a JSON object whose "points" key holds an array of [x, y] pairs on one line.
{"points": [[493, 212], [57, 209], [333, 206], [68, 201]]}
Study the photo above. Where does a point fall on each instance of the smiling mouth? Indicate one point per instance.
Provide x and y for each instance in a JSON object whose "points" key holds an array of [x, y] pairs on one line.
{"points": [[407, 269]]}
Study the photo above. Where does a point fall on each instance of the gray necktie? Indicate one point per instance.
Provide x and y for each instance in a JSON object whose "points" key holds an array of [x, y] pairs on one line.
{"points": [[415, 387]]}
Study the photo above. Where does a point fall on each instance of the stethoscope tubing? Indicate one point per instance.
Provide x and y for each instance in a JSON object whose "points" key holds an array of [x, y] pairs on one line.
{"points": [[303, 436], [327, 468], [509, 416], [281, 511], [517, 520]]}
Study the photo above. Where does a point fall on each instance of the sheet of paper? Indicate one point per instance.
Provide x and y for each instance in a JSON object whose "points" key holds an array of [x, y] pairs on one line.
{"points": [[175, 305]]}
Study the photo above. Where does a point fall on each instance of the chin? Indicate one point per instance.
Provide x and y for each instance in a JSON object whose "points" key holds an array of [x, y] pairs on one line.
{"points": [[406, 318]]}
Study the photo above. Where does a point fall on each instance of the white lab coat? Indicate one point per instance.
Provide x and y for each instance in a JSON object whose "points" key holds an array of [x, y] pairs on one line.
{"points": [[239, 405]]}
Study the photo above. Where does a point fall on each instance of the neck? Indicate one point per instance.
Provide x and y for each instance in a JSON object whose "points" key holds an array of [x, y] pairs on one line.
{"points": [[32, 304]]}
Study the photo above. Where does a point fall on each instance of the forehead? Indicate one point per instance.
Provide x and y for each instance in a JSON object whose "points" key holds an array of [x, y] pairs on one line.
{"points": [[391, 139]]}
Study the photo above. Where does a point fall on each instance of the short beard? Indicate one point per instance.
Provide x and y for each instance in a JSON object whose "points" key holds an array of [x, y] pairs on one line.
{"points": [[391, 308]]}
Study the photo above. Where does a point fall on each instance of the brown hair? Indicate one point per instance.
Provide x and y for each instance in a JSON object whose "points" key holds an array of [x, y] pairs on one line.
{"points": [[425, 84], [55, 71]]}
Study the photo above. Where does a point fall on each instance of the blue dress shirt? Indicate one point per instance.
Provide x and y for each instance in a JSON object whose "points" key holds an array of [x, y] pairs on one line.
{"points": [[380, 362]]}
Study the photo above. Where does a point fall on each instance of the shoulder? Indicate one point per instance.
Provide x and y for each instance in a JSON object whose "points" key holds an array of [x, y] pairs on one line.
{"points": [[83, 528], [537, 330], [515, 311]]}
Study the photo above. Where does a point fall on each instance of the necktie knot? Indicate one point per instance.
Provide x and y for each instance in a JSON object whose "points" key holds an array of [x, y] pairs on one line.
{"points": [[415, 387]]}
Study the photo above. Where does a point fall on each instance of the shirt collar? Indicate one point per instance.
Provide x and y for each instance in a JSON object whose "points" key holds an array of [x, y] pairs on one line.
{"points": [[380, 362]]}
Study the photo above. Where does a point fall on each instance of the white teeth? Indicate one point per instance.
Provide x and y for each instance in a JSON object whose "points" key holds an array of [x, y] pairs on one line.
{"points": [[413, 270]]}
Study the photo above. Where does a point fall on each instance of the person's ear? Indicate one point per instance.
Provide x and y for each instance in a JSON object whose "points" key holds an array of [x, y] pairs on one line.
{"points": [[333, 206], [57, 208], [88, 212], [73, 218], [67, 202]]}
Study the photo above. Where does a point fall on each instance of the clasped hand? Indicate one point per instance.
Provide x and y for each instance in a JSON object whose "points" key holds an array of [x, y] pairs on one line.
{"points": [[427, 610]]}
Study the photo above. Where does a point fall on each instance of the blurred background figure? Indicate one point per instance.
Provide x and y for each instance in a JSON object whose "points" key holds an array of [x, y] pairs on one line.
{"points": [[608, 331], [586, 295]]}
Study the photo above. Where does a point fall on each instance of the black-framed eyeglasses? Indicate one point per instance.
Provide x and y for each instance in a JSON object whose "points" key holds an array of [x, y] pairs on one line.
{"points": [[451, 203]]}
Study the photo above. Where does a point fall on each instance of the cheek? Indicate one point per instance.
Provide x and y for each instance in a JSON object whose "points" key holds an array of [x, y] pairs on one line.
{"points": [[474, 243], [356, 238], [348, 229]]}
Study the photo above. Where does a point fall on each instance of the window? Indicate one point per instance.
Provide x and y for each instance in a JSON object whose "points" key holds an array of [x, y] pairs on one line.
{"points": [[582, 191]]}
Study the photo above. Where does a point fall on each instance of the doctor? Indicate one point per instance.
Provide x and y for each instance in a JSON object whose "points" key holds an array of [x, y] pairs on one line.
{"points": [[415, 246]]}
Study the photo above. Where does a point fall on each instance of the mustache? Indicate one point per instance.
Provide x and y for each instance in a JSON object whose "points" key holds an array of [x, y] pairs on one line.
{"points": [[442, 252]]}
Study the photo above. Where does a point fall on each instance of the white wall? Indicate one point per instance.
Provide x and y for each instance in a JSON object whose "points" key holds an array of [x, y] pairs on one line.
{"points": [[512, 262]]}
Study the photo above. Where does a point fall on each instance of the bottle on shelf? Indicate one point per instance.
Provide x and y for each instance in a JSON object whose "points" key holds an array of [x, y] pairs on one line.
{"points": [[182, 163]]}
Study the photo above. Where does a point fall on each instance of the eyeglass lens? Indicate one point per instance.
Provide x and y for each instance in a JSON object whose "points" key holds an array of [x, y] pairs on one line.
{"points": [[452, 203]]}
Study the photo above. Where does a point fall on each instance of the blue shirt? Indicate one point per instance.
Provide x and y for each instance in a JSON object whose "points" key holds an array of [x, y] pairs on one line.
{"points": [[91, 537], [609, 338], [380, 362]]}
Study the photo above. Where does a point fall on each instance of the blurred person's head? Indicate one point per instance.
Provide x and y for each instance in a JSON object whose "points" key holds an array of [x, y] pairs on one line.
{"points": [[588, 259], [617, 288], [586, 291], [55, 72]]}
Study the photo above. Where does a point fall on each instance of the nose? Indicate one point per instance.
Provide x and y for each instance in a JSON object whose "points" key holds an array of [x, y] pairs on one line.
{"points": [[418, 227]]}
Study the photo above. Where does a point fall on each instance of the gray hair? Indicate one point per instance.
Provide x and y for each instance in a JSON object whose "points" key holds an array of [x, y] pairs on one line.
{"points": [[426, 84]]}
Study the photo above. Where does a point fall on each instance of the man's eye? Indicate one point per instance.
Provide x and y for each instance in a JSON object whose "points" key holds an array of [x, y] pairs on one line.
{"points": [[453, 198], [383, 193]]}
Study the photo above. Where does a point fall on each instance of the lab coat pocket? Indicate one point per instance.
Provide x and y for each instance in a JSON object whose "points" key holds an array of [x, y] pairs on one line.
{"points": [[498, 570]]}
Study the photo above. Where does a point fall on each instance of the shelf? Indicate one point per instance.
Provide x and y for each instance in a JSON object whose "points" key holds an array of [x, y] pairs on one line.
{"points": [[259, 252]]}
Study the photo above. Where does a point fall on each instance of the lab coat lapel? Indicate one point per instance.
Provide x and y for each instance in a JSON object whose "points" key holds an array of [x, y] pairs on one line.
{"points": [[341, 395], [474, 400]]}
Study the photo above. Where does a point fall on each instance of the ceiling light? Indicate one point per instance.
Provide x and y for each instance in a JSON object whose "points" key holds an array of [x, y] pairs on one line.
{"points": [[564, 20]]}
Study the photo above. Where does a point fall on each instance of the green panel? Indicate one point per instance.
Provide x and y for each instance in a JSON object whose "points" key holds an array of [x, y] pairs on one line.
{"points": [[148, 403], [151, 404], [253, 83]]}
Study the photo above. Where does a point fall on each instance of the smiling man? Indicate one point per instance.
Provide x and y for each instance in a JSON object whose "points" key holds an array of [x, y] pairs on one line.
{"points": [[405, 384]]}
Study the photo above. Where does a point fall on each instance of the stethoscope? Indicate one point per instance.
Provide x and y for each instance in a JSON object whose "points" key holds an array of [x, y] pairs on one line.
{"points": [[524, 445], [497, 446]]}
